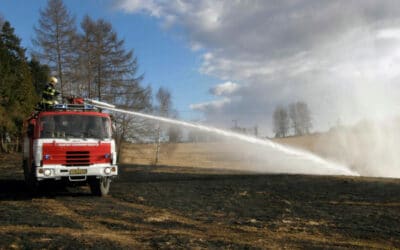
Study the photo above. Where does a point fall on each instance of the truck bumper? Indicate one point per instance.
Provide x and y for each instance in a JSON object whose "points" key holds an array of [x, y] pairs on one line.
{"points": [[76, 173]]}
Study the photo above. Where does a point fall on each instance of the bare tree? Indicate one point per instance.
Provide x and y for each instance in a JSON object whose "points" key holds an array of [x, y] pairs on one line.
{"points": [[174, 132], [300, 116], [163, 98], [87, 59], [281, 122], [294, 119], [105, 65], [305, 117], [55, 35], [108, 72], [128, 127]]}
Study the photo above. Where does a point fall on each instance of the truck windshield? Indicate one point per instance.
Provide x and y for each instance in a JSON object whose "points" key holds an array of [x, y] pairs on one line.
{"points": [[75, 126]]}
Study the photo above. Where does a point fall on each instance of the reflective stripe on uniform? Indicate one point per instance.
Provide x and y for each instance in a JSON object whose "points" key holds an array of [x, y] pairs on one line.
{"points": [[48, 94], [50, 102]]}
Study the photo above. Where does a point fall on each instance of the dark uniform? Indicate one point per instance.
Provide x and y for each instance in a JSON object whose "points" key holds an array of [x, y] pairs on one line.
{"points": [[49, 95]]}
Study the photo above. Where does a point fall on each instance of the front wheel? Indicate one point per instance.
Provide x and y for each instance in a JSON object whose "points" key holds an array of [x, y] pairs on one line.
{"points": [[30, 178], [100, 187]]}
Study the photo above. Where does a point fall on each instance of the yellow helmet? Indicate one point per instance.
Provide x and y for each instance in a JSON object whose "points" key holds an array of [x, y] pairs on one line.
{"points": [[53, 80]]}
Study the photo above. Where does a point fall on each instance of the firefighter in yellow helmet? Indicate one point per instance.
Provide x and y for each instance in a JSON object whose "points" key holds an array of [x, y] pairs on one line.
{"points": [[49, 94]]}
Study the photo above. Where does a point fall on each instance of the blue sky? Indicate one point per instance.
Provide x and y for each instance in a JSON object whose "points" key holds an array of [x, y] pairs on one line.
{"points": [[164, 56], [238, 60]]}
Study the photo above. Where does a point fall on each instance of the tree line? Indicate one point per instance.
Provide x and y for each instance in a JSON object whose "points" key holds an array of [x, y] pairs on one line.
{"points": [[90, 61], [294, 119], [21, 80]]}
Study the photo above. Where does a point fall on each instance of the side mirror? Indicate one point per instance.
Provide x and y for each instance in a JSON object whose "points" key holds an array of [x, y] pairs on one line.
{"points": [[31, 129]]}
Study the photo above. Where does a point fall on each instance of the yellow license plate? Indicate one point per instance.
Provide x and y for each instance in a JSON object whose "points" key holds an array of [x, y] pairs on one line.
{"points": [[77, 171]]}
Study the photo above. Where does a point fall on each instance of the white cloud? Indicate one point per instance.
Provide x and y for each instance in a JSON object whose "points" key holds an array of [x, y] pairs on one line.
{"points": [[389, 34], [217, 104], [196, 46], [224, 89], [148, 6], [341, 57]]}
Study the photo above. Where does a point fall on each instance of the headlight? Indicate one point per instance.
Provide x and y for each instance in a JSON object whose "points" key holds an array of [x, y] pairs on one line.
{"points": [[47, 172], [107, 170]]}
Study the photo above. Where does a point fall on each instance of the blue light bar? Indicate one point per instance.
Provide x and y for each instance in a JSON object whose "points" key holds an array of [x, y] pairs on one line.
{"points": [[74, 107], [88, 106], [60, 106]]}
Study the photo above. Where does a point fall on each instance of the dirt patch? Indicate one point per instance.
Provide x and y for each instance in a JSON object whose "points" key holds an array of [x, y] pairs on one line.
{"points": [[179, 208]]}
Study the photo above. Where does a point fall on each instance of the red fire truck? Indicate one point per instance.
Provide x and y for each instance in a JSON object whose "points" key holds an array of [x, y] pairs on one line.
{"points": [[71, 143]]}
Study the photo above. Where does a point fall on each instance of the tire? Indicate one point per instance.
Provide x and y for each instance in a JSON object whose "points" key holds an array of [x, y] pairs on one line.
{"points": [[26, 171], [100, 187], [30, 179]]}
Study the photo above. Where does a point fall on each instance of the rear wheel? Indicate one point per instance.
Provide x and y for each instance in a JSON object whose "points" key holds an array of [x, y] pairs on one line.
{"points": [[100, 187]]}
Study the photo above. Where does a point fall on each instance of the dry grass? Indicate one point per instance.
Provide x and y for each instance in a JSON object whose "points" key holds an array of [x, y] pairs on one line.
{"points": [[226, 155], [208, 155]]}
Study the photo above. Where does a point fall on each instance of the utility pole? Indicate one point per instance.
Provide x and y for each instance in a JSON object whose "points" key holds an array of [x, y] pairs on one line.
{"points": [[256, 130], [235, 122]]}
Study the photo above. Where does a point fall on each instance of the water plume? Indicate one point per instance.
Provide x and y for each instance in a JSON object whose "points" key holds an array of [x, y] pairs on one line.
{"points": [[369, 147], [279, 158]]}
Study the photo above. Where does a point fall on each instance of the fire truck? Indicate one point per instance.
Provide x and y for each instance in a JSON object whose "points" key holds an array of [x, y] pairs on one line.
{"points": [[71, 143]]}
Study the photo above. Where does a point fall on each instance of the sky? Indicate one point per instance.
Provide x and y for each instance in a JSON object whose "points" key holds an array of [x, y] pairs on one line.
{"points": [[238, 60]]}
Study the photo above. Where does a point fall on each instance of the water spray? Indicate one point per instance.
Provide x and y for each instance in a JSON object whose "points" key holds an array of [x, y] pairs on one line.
{"points": [[99, 104], [299, 154]]}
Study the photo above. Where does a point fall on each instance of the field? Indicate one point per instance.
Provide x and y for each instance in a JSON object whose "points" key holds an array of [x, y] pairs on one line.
{"points": [[221, 155], [233, 155], [196, 199]]}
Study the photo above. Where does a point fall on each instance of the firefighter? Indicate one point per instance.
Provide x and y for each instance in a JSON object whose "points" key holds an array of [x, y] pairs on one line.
{"points": [[49, 94]]}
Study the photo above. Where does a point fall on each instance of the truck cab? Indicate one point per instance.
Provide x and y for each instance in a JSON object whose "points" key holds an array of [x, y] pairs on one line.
{"points": [[71, 143]]}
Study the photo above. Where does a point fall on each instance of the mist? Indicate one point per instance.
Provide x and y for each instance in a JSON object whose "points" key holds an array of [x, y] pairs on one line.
{"points": [[369, 147]]}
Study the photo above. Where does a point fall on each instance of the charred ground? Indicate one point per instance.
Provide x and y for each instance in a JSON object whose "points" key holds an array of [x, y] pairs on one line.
{"points": [[177, 207]]}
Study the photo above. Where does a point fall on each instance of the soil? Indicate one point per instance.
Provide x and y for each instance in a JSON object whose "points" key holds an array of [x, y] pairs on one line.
{"points": [[166, 207]]}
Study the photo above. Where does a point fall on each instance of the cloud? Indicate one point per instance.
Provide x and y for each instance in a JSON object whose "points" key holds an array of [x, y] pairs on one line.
{"points": [[207, 106], [149, 6], [224, 89], [341, 57]]}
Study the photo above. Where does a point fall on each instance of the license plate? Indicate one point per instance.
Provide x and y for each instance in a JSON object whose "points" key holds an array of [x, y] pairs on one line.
{"points": [[77, 171]]}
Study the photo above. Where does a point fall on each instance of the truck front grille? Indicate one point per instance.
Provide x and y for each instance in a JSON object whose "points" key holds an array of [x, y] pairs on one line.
{"points": [[77, 158]]}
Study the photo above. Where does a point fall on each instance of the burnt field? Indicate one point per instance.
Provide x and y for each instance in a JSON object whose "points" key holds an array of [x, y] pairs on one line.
{"points": [[178, 207]]}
